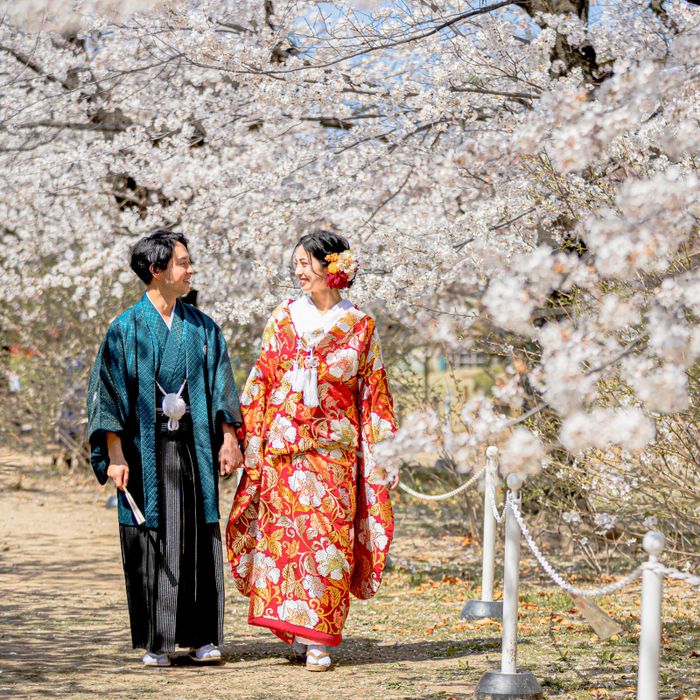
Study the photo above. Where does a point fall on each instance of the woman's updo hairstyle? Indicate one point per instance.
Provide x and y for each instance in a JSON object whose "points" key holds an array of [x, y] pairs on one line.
{"points": [[321, 243]]}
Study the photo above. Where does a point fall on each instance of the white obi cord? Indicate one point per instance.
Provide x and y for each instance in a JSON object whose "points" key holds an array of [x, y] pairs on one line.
{"points": [[311, 325]]}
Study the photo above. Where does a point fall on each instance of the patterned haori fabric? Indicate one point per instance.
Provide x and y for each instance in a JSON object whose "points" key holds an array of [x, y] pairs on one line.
{"points": [[138, 349], [312, 520]]}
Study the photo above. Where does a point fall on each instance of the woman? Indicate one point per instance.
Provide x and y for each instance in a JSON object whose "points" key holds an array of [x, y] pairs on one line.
{"points": [[312, 520]]}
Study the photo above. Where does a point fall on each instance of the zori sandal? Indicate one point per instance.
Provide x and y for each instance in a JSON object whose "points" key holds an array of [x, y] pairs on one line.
{"points": [[317, 660], [156, 660], [208, 654]]}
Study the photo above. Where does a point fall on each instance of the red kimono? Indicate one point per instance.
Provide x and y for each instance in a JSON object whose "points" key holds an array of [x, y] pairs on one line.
{"points": [[312, 520]]}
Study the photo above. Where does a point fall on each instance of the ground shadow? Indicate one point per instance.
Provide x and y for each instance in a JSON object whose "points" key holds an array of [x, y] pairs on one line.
{"points": [[361, 651]]}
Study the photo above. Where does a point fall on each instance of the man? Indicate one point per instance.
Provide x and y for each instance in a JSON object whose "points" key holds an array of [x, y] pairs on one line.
{"points": [[162, 405]]}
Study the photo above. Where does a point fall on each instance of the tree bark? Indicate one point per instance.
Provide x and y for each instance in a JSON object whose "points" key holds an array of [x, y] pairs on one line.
{"points": [[584, 56]]}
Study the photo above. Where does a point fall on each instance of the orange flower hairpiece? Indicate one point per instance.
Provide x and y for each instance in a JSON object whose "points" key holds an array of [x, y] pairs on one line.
{"points": [[342, 268]]}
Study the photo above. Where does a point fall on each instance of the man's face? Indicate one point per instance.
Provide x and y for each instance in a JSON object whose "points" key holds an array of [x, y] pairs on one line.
{"points": [[176, 277]]}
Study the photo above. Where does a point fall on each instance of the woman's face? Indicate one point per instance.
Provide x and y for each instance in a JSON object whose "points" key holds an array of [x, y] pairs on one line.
{"points": [[309, 271]]}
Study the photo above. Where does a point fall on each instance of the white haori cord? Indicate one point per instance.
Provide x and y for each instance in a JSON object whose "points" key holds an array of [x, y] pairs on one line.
{"points": [[174, 406]]}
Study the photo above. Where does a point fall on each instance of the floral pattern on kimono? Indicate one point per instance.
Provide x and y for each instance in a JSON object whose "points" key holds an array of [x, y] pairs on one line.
{"points": [[312, 519]]}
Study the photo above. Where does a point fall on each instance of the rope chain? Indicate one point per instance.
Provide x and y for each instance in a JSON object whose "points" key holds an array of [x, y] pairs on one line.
{"points": [[511, 502], [669, 572], [442, 496], [490, 498], [551, 572]]}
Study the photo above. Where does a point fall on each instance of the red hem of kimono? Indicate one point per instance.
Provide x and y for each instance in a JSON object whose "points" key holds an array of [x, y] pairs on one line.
{"points": [[284, 630]]}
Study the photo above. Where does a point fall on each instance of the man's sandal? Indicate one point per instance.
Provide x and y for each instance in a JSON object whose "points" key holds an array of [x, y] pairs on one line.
{"points": [[156, 660], [208, 654], [317, 660]]}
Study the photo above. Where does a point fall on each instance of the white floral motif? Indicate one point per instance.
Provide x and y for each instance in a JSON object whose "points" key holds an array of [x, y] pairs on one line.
{"points": [[264, 569], [313, 585], [253, 451], [245, 564], [281, 432], [298, 612], [343, 363], [381, 428], [343, 432], [252, 387], [332, 562], [372, 535], [311, 491]]}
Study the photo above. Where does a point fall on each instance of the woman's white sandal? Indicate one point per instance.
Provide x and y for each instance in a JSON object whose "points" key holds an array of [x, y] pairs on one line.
{"points": [[317, 660]]}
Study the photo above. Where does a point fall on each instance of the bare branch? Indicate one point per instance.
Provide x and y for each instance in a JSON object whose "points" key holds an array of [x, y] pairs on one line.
{"points": [[390, 45]]}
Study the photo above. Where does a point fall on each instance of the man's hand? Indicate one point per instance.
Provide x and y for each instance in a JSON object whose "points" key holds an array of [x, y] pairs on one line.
{"points": [[118, 470], [119, 474], [230, 457]]}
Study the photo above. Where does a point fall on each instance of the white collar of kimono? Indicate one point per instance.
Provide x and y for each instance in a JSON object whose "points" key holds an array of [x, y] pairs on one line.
{"points": [[168, 321], [309, 322]]}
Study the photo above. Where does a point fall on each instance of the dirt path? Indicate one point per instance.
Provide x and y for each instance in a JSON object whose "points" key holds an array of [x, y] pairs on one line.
{"points": [[64, 627]]}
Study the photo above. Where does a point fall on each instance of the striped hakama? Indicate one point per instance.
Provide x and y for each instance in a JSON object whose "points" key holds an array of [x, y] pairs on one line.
{"points": [[174, 574]]}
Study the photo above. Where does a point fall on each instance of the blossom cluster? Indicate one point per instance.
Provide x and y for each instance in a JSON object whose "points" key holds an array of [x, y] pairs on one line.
{"points": [[505, 192]]}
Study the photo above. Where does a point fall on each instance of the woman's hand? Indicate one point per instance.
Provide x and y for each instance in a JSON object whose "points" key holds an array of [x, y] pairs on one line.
{"points": [[230, 456]]}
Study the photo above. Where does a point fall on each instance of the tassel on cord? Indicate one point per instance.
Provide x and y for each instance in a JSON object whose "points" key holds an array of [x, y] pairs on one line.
{"points": [[298, 372], [311, 383], [297, 377], [174, 406]]}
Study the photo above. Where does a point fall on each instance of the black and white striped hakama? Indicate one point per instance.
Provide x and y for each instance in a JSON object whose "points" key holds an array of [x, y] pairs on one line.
{"points": [[174, 575]]}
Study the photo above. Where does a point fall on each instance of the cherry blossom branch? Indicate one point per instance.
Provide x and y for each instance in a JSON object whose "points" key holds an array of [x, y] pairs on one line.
{"points": [[390, 45]]}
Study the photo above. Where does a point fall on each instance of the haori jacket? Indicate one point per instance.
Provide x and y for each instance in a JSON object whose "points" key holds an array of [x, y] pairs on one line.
{"points": [[137, 351]]}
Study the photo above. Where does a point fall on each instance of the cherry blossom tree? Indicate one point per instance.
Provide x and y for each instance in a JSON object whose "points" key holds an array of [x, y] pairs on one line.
{"points": [[519, 177]]}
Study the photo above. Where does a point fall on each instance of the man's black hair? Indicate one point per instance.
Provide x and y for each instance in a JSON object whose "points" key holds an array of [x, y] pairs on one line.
{"points": [[155, 249]]}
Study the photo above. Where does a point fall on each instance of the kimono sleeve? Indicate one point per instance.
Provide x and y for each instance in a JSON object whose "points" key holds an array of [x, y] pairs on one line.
{"points": [[225, 405], [255, 398], [374, 520], [377, 418], [107, 400]]}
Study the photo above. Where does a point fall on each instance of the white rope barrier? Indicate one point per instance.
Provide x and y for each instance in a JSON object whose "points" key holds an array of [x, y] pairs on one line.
{"points": [[669, 572], [552, 573], [656, 567], [523, 684], [498, 517], [487, 607], [442, 496]]}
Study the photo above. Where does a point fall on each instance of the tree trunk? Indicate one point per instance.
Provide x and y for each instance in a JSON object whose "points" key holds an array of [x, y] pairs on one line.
{"points": [[583, 57]]}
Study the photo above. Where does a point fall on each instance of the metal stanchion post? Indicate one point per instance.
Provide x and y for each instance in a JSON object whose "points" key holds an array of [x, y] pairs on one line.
{"points": [[487, 607], [509, 682], [650, 634]]}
